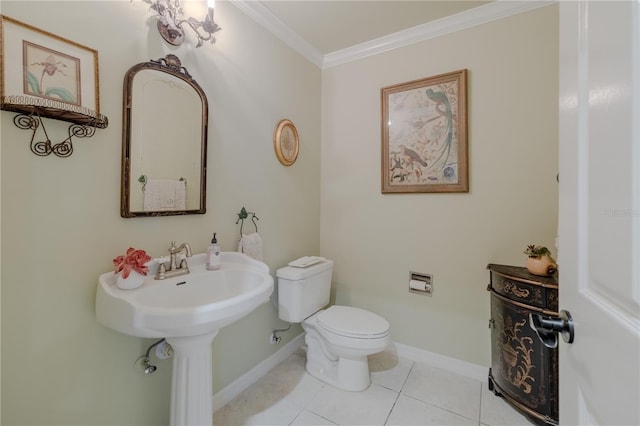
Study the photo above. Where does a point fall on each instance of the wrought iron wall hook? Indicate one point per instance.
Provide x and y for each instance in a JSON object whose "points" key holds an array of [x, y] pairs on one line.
{"points": [[253, 219], [245, 214], [143, 180]]}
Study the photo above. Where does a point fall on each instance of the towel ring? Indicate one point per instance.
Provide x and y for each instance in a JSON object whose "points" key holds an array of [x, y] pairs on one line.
{"points": [[245, 214]]}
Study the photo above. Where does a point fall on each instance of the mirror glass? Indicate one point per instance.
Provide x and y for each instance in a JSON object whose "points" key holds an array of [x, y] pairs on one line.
{"points": [[164, 149]]}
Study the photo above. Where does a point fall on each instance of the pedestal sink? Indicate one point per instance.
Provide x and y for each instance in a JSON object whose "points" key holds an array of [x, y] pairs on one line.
{"points": [[188, 311]]}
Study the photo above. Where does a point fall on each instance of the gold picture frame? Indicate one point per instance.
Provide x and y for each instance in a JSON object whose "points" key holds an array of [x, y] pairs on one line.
{"points": [[286, 142], [424, 135], [43, 72]]}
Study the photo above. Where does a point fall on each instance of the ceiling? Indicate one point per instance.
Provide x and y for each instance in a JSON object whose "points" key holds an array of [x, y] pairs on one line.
{"points": [[333, 32], [332, 25]]}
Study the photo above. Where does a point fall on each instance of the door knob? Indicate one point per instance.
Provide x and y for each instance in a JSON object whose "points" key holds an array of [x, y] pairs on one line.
{"points": [[547, 328]]}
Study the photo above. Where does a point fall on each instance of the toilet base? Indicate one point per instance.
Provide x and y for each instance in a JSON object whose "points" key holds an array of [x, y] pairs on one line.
{"points": [[346, 373], [353, 374]]}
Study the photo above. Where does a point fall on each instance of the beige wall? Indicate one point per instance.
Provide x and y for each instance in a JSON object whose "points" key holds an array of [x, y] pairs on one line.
{"points": [[61, 225], [377, 239]]}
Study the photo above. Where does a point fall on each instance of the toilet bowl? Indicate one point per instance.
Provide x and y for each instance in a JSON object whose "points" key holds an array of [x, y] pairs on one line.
{"points": [[339, 339]]}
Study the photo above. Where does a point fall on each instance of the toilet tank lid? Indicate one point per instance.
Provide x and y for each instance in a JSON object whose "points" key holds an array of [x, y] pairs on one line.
{"points": [[293, 273]]}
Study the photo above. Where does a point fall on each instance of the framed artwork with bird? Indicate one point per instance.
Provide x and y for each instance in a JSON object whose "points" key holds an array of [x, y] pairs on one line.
{"points": [[424, 135]]}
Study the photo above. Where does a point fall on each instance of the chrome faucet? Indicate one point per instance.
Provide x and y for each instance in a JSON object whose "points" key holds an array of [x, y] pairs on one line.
{"points": [[172, 269]]}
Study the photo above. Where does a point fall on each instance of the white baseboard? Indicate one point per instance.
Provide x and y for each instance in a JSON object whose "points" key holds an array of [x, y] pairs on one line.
{"points": [[444, 362], [226, 394], [464, 368]]}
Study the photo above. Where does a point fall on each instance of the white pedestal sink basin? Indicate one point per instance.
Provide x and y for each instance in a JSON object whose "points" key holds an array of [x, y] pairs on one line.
{"points": [[188, 311]]}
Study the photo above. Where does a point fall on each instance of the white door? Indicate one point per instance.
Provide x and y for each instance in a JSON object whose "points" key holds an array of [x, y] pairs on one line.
{"points": [[599, 220]]}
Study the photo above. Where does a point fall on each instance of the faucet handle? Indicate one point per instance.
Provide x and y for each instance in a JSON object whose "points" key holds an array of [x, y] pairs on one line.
{"points": [[162, 270], [173, 247]]}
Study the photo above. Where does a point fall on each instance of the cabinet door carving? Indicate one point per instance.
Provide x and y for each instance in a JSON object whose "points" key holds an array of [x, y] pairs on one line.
{"points": [[523, 371]]}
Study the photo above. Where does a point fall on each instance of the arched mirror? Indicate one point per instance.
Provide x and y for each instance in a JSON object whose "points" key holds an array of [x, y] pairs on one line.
{"points": [[164, 148]]}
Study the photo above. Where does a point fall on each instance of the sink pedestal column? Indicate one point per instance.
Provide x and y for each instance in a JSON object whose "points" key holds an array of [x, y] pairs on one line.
{"points": [[191, 381]]}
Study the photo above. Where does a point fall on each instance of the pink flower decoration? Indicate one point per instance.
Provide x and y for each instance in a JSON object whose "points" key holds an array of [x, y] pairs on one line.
{"points": [[134, 260]]}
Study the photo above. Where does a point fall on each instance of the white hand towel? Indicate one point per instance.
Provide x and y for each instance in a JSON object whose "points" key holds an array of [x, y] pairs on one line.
{"points": [[164, 195], [251, 245]]}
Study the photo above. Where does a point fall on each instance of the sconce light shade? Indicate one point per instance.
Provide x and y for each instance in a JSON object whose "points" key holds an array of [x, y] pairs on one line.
{"points": [[171, 19]]}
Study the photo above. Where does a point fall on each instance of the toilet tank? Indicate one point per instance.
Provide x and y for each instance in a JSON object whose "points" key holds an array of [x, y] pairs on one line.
{"points": [[303, 291]]}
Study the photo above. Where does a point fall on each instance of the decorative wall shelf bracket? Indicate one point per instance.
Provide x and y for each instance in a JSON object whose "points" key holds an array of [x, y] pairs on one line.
{"points": [[34, 85], [44, 147]]}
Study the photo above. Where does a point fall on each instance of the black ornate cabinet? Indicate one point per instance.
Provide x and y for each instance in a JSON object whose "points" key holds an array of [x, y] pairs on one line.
{"points": [[523, 371]]}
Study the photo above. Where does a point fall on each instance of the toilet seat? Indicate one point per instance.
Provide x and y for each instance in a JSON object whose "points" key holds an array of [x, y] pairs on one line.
{"points": [[352, 322]]}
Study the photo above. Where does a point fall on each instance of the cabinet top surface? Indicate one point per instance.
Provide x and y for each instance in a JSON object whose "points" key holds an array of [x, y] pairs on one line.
{"points": [[521, 273]]}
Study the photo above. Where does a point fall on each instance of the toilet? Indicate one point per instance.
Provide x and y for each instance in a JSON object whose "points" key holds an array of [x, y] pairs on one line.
{"points": [[338, 338]]}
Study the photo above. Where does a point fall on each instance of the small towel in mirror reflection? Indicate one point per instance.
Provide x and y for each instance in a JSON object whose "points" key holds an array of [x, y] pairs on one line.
{"points": [[251, 245], [164, 195]]}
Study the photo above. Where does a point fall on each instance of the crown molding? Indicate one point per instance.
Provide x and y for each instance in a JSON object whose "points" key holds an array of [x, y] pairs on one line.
{"points": [[480, 15], [493, 11], [259, 13]]}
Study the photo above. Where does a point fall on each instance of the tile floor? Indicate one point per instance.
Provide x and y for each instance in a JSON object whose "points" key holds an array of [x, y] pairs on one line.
{"points": [[402, 392]]}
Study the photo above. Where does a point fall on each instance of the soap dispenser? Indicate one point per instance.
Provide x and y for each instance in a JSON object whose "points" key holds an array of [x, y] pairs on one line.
{"points": [[213, 254]]}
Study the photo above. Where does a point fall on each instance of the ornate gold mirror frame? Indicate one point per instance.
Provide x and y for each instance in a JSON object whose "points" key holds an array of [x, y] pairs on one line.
{"points": [[164, 148]]}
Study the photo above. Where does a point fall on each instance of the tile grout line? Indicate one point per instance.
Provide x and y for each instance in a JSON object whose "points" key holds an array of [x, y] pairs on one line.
{"points": [[438, 407], [386, 420], [399, 393], [413, 363], [480, 406]]}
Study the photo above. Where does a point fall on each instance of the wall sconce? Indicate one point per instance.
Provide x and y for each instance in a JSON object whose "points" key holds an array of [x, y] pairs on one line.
{"points": [[171, 18]]}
